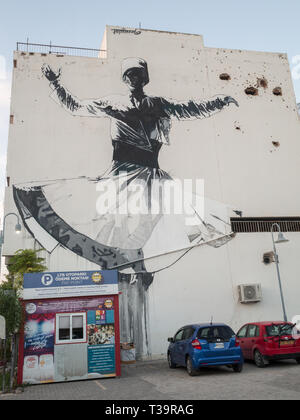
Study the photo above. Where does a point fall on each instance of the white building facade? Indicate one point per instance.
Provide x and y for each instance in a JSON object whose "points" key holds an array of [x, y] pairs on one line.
{"points": [[225, 120]]}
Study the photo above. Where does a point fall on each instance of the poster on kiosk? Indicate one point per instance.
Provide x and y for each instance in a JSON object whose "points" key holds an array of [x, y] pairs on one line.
{"points": [[71, 327]]}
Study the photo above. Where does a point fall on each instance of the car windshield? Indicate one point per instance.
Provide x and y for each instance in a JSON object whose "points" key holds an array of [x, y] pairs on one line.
{"points": [[214, 333], [279, 329]]}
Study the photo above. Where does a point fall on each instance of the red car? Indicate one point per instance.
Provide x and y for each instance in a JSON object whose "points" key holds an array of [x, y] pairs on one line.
{"points": [[264, 341]]}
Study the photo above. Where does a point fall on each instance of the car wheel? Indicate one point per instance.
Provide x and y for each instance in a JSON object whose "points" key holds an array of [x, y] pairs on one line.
{"points": [[259, 359], [298, 361], [190, 368], [170, 362], [238, 368]]}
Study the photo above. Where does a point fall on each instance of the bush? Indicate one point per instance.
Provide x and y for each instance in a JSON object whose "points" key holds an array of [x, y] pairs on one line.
{"points": [[7, 379], [10, 309]]}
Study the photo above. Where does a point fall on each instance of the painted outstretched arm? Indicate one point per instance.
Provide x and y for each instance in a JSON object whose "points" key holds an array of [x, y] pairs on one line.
{"points": [[77, 107], [197, 109]]}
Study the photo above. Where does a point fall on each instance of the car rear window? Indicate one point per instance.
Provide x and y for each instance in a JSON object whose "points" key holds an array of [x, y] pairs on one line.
{"points": [[213, 333], [279, 329]]}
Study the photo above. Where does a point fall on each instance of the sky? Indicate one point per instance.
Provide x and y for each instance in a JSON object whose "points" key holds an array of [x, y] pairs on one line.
{"points": [[261, 25]]}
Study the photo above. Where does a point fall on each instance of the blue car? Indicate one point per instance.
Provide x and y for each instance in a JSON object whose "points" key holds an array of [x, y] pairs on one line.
{"points": [[199, 345]]}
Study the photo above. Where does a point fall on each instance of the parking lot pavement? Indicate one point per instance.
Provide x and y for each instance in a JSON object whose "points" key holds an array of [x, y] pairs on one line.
{"points": [[153, 380]]}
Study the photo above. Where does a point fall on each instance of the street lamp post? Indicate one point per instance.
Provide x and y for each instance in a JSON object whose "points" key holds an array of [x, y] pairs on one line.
{"points": [[18, 229], [280, 239]]}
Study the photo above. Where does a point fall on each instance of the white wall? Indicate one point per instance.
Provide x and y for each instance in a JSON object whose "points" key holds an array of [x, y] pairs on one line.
{"points": [[241, 167]]}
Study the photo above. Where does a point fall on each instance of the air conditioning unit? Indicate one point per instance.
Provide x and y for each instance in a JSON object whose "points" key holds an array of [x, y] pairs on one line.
{"points": [[250, 293]]}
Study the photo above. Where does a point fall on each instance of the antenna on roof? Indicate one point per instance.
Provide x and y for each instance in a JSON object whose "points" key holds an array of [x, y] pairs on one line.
{"points": [[211, 320]]}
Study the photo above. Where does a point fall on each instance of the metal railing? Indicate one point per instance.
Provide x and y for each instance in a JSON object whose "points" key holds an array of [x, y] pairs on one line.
{"points": [[60, 50]]}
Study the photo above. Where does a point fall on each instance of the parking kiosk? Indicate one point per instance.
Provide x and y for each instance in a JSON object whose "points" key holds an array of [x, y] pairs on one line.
{"points": [[71, 327]]}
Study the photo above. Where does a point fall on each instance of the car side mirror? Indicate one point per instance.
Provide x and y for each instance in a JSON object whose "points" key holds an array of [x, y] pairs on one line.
{"points": [[171, 340]]}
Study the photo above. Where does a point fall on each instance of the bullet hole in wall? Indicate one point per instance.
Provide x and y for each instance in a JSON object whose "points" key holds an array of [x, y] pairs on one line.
{"points": [[262, 83], [277, 91], [225, 76], [251, 90], [237, 125]]}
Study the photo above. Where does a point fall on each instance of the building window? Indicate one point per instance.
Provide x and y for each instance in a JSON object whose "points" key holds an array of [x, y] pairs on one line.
{"points": [[264, 224], [71, 328]]}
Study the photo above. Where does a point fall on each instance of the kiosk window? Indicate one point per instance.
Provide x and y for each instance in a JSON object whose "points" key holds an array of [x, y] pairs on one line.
{"points": [[64, 328], [77, 330], [70, 328]]}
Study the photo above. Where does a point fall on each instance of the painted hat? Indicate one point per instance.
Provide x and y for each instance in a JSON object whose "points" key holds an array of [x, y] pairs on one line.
{"points": [[135, 63]]}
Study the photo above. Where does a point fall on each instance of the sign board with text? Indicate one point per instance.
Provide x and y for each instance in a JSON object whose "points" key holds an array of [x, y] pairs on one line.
{"points": [[70, 284], [2, 328]]}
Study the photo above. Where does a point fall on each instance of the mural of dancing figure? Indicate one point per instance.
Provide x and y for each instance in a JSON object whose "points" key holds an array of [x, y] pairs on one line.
{"points": [[113, 239]]}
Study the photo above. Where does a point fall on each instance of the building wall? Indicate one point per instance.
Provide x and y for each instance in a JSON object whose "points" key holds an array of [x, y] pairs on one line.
{"points": [[248, 157]]}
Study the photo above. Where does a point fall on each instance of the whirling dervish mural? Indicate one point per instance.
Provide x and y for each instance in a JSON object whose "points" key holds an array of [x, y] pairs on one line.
{"points": [[124, 233]]}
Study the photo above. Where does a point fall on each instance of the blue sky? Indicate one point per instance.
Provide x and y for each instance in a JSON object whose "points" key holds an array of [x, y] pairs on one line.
{"points": [[263, 25]]}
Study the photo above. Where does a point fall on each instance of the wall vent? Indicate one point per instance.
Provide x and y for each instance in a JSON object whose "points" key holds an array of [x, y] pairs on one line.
{"points": [[264, 224]]}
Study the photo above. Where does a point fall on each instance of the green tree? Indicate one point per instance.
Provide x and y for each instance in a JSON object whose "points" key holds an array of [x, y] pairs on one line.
{"points": [[24, 261], [10, 308]]}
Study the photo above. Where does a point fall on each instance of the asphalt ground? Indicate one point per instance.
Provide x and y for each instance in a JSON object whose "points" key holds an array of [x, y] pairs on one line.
{"points": [[154, 380]]}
